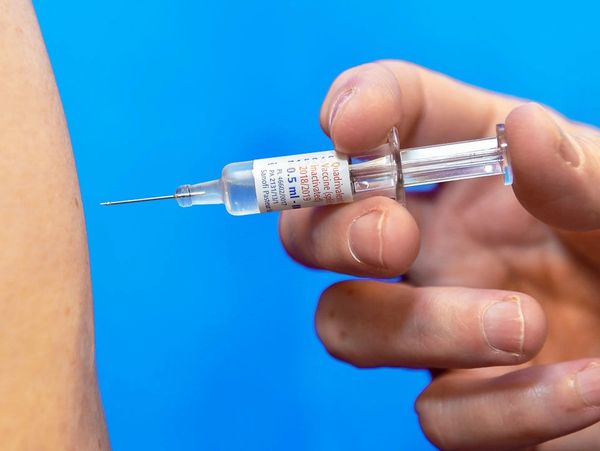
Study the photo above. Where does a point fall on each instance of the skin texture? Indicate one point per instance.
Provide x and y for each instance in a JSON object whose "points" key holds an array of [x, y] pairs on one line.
{"points": [[48, 391], [500, 299]]}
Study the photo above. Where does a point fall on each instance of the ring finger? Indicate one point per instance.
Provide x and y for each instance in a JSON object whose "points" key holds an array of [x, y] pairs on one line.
{"points": [[371, 324]]}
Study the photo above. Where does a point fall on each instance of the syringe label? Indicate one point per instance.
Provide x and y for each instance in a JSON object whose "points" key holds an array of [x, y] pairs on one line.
{"points": [[305, 180]]}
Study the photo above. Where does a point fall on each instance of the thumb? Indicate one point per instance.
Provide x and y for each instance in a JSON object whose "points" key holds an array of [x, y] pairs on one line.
{"points": [[556, 167]]}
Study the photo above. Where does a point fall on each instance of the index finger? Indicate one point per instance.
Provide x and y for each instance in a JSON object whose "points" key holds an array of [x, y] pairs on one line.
{"points": [[358, 112], [365, 102]]}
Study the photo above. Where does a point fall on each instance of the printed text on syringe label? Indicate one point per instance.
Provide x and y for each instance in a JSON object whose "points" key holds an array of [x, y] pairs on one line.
{"points": [[305, 180]]}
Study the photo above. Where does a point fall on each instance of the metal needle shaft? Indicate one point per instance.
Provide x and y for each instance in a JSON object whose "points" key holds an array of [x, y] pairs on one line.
{"points": [[143, 199]]}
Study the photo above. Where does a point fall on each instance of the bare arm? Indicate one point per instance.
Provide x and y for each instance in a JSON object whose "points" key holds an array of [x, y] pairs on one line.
{"points": [[48, 390]]}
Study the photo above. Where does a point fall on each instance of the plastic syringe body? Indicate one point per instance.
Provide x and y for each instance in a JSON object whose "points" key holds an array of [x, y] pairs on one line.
{"points": [[329, 177]]}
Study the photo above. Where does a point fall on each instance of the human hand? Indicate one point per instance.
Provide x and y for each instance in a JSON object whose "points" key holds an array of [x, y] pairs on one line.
{"points": [[516, 355]]}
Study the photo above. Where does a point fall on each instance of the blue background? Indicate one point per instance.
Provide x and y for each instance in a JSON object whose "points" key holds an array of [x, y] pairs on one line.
{"points": [[204, 326]]}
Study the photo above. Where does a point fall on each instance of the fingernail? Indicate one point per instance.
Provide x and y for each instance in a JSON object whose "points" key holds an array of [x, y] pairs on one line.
{"points": [[504, 326], [338, 105], [587, 382], [569, 150], [365, 238]]}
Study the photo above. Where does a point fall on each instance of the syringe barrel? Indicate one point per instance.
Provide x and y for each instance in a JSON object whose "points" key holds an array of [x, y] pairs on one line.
{"points": [[329, 177]]}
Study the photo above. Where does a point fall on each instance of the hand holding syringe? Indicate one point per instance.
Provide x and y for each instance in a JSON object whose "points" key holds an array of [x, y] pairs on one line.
{"points": [[324, 178], [474, 255]]}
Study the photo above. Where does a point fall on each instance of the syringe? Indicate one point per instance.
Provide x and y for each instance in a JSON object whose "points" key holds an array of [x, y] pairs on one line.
{"points": [[329, 177]]}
